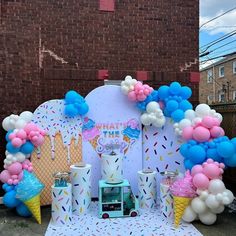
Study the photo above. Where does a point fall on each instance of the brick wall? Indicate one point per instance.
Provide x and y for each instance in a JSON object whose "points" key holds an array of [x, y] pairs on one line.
{"points": [[51, 46]]}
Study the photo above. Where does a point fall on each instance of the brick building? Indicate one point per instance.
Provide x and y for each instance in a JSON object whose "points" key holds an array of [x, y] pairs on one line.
{"points": [[49, 47], [218, 81]]}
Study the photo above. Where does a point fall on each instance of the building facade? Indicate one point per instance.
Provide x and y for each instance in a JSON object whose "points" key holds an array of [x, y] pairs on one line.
{"points": [[218, 81], [49, 47]]}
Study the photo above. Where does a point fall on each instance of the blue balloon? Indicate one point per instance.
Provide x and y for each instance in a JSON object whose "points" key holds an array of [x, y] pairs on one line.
{"points": [[154, 96], [172, 105], [71, 110], [27, 148], [185, 105], [233, 141], [10, 200], [83, 108], [185, 92], [166, 113], [192, 142], [163, 92], [231, 162], [177, 115], [175, 88], [184, 150], [10, 148], [188, 164], [23, 210], [197, 154], [7, 135], [72, 96], [211, 144], [6, 187], [225, 149], [213, 154]]}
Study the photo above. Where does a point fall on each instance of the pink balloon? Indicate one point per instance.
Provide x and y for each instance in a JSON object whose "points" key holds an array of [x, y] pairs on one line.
{"points": [[10, 181], [16, 142], [138, 86], [21, 134], [15, 168], [208, 122], [200, 181], [201, 134], [216, 122], [11, 136], [5, 176], [196, 169], [132, 96], [30, 127], [15, 181], [212, 171], [20, 176], [187, 133], [217, 131]]}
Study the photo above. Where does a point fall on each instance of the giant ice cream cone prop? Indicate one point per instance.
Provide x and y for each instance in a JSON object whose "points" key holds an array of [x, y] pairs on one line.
{"points": [[183, 191], [90, 132], [28, 191]]}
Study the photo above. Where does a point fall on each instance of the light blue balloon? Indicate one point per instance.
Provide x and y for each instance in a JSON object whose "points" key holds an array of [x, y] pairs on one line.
{"points": [[175, 88], [71, 97], [185, 92], [163, 92], [225, 149], [188, 164], [184, 150], [10, 148], [71, 110], [177, 115], [83, 109], [172, 105], [185, 105], [10, 200], [23, 210], [197, 154]]}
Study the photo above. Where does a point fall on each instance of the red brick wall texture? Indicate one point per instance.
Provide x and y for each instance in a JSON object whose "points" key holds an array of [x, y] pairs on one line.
{"points": [[50, 46]]}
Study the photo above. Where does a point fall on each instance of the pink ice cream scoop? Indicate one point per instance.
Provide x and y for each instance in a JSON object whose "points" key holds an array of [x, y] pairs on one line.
{"points": [[184, 187]]}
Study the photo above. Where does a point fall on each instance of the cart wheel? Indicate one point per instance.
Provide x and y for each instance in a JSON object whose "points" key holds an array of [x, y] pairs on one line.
{"points": [[133, 214], [105, 216]]}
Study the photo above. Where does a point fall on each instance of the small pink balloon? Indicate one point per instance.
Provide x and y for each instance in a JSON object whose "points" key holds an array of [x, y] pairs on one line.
{"points": [[15, 168], [16, 142], [10, 181], [21, 134], [201, 134], [30, 127], [212, 171], [216, 132], [201, 181], [5, 176], [132, 96], [208, 122], [20, 176], [187, 133], [30, 169], [15, 181], [141, 97], [196, 169], [216, 122], [146, 92], [14, 177], [12, 136]]}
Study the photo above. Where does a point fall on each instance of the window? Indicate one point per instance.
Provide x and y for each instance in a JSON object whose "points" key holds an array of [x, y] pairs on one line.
{"points": [[234, 67], [209, 76], [209, 98], [234, 95], [221, 97], [221, 71]]}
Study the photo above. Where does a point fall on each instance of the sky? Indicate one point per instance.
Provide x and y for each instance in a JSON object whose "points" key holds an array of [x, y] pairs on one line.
{"points": [[217, 28]]}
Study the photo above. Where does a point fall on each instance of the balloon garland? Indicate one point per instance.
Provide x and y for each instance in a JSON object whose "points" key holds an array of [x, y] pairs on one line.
{"points": [[22, 137], [207, 150]]}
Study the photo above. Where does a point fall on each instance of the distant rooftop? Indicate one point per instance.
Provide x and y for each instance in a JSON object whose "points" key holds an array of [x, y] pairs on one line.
{"points": [[227, 57]]}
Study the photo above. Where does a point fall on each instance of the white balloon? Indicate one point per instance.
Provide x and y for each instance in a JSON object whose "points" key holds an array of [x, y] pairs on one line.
{"points": [[189, 114], [219, 117], [184, 123], [7, 125], [207, 218], [230, 195], [202, 110], [216, 186], [212, 202], [26, 116], [189, 215], [152, 107], [218, 210], [198, 205], [203, 194], [20, 124], [196, 120]]}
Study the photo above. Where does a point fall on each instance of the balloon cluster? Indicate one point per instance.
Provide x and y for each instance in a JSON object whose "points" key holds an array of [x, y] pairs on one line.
{"points": [[75, 104], [146, 98], [11, 201], [22, 136], [202, 125], [212, 194], [221, 149], [175, 100]]}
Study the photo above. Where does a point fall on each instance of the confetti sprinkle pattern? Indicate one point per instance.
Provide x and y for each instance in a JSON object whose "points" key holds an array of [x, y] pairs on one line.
{"points": [[147, 186], [81, 189], [166, 202], [61, 206], [50, 117], [161, 150], [149, 223], [111, 167]]}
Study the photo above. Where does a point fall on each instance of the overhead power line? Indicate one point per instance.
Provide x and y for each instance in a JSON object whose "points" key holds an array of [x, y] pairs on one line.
{"points": [[207, 22], [213, 58]]}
